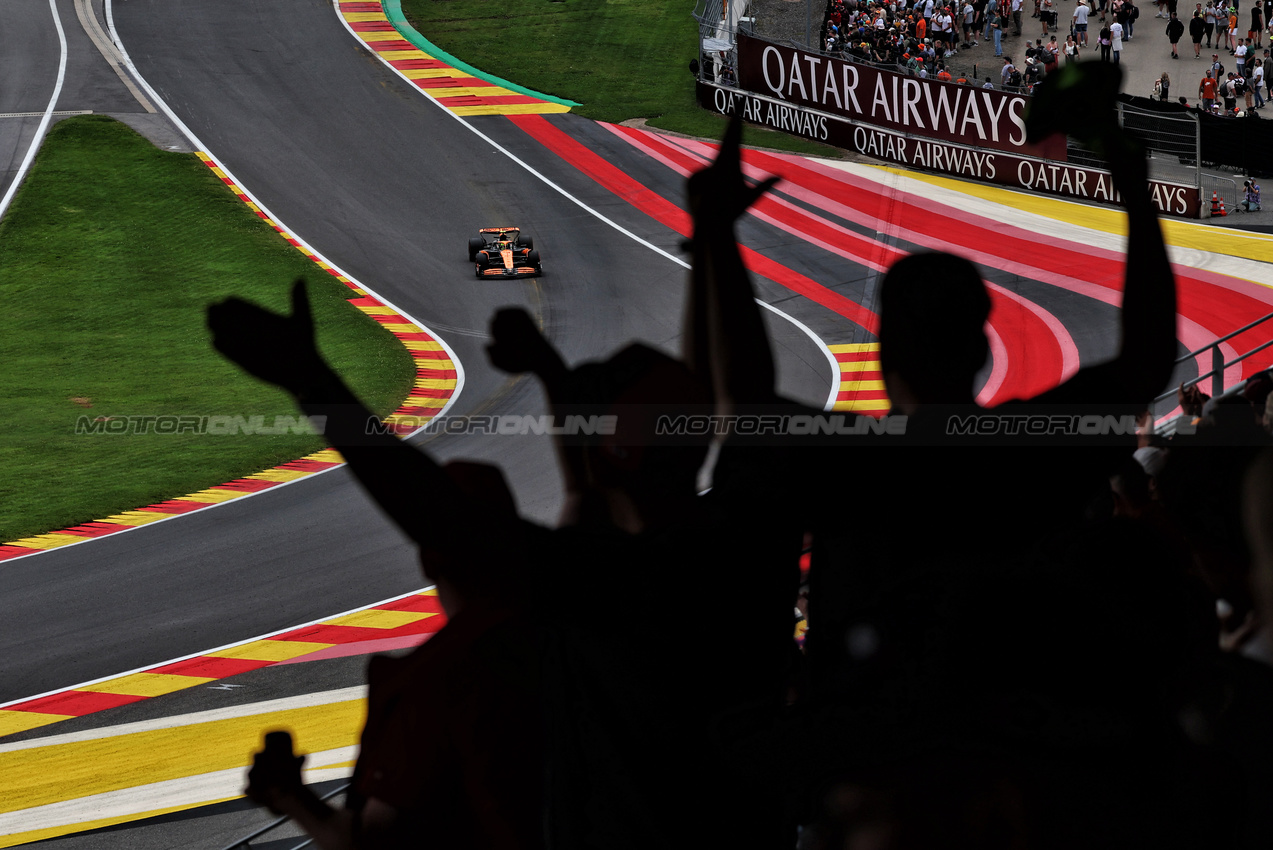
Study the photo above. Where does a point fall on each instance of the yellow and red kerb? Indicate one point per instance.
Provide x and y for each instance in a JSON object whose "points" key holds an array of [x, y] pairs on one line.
{"points": [[308, 465], [400, 623], [462, 93], [435, 382], [861, 381]]}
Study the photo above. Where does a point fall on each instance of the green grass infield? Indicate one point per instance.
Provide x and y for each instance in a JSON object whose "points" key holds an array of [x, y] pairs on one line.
{"points": [[109, 255], [620, 59]]}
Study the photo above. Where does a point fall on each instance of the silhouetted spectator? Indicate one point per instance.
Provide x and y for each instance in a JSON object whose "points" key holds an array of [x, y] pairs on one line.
{"points": [[979, 498], [1200, 488], [640, 747], [451, 744], [1258, 524], [631, 706], [942, 512]]}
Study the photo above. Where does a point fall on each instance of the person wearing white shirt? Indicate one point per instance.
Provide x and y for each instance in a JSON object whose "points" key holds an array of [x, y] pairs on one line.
{"points": [[1257, 82], [1080, 22], [945, 32], [1016, 17], [1116, 39]]}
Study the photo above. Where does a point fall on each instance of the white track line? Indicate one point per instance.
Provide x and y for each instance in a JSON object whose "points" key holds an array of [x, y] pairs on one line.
{"points": [[44, 122], [199, 145], [194, 140], [194, 718], [832, 362], [203, 652], [186, 792]]}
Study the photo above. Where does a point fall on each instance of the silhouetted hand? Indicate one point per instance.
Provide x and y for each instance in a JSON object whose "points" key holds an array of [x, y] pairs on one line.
{"points": [[1144, 429], [1079, 100], [275, 773], [1191, 399], [719, 193], [275, 348], [518, 346]]}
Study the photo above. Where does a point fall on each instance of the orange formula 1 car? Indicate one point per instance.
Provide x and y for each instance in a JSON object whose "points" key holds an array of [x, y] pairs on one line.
{"points": [[504, 252]]}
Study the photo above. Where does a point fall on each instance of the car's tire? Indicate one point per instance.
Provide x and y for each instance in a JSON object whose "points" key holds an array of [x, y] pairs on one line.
{"points": [[475, 245], [533, 258], [525, 241]]}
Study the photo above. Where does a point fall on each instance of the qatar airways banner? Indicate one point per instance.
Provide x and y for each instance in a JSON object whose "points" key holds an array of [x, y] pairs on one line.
{"points": [[967, 115], [978, 163]]}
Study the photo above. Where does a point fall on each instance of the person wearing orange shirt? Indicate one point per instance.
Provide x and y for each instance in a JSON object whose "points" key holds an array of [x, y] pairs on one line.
{"points": [[1207, 91]]}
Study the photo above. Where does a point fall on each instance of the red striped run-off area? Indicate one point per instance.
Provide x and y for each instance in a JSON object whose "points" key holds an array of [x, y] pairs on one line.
{"points": [[1017, 374], [1025, 376], [1032, 349], [1209, 305]]}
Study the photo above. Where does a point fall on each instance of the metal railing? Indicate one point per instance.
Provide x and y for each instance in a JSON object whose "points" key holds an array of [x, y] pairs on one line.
{"points": [[1216, 373], [245, 843], [1174, 139], [724, 18], [1175, 133], [1222, 188], [719, 21]]}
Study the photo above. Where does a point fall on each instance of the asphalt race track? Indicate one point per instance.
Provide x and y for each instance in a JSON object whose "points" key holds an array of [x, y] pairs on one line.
{"points": [[388, 185]]}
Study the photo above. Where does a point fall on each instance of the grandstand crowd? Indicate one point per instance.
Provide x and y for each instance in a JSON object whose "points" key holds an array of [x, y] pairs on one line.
{"points": [[916, 38], [891, 35], [1048, 641]]}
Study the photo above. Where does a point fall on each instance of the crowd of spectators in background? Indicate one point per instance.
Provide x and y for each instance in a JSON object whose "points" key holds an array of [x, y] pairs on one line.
{"points": [[1043, 642], [916, 37]]}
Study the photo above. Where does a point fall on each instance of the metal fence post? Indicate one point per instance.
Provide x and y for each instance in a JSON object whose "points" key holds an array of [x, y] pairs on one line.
{"points": [[1217, 379], [1197, 165]]}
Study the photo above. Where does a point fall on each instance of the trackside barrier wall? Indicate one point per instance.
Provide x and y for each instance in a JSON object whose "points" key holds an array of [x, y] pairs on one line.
{"points": [[926, 124], [990, 166]]}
